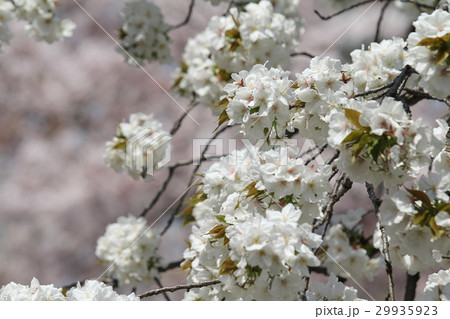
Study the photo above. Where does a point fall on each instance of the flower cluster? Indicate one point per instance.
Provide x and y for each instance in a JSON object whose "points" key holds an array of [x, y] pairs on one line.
{"points": [[140, 146], [129, 249], [143, 33], [6, 15], [259, 100], [437, 287], [417, 222], [378, 65], [42, 22], [429, 53], [332, 290], [90, 290], [378, 143], [253, 225], [93, 290], [232, 43], [318, 88], [345, 257]]}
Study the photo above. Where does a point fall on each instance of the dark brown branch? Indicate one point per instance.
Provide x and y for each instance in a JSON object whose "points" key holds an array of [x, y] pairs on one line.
{"points": [[177, 123], [188, 17], [321, 149], [158, 282], [309, 55], [335, 196], [373, 91], [160, 192], [419, 95], [169, 178], [397, 83], [418, 4], [179, 287], [343, 10], [387, 256], [380, 19], [411, 285], [171, 265]]}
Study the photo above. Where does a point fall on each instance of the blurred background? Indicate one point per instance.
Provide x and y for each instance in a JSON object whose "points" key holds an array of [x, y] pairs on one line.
{"points": [[60, 103]]}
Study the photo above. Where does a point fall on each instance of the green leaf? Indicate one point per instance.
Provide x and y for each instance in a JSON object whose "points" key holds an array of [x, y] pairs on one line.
{"points": [[252, 191], [353, 137], [353, 117], [233, 33], [439, 44], [223, 103], [419, 195], [223, 117], [227, 267], [220, 218], [359, 146]]}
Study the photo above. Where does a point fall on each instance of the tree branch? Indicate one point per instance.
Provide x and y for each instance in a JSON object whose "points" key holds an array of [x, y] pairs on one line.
{"points": [[179, 287], [387, 257], [186, 20], [161, 286], [373, 91], [177, 123], [418, 4], [171, 265], [343, 10], [380, 19], [335, 196], [411, 284], [321, 149], [309, 55]]}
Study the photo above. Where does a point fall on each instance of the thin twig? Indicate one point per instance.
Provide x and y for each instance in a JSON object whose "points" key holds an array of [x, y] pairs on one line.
{"points": [[381, 88], [380, 19], [342, 11], [197, 167], [169, 178], [171, 265], [178, 287], [423, 95], [160, 192], [418, 4], [309, 55], [411, 285], [186, 20], [177, 123], [308, 151], [312, 158], [335, 195], [387, 256], [161, 287]]}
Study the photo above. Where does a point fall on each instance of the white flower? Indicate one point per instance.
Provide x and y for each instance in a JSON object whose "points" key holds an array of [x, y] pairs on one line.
{"points": [[34, 292], [93, 290], [235, 42], [143, 33], [332, 290], [42, 22], [129, 249], [147, 142], [433, 70], [437, 287], [259, 101], [377, 65]]}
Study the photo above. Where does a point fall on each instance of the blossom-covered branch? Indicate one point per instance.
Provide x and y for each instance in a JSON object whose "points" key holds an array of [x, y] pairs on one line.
{"points": [[178, 287]]}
